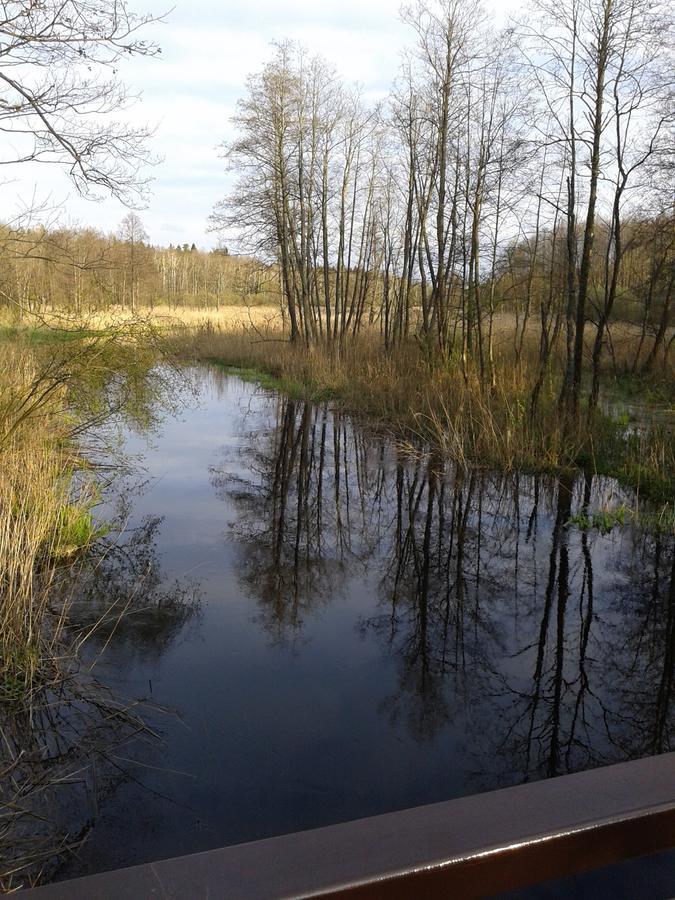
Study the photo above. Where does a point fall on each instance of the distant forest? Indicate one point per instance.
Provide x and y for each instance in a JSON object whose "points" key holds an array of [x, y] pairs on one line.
{"points": [[83, 270]]}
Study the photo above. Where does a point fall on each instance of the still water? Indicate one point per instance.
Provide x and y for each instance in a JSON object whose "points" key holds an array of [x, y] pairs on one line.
{"points": [[324, 627]]}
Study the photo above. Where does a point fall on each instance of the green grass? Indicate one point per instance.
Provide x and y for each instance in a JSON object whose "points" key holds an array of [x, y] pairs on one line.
{"points": [[653, 520], [638, 389], [76, 530], [36, 336], [641, 459], [292, 387], [603, 520], [14, 684]]}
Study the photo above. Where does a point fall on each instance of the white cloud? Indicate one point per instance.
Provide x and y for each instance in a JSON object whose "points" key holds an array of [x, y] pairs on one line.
{"points": [[190, 92]]}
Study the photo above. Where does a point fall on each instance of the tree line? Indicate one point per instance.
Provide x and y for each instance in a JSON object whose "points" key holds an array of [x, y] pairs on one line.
{"points": [[83, 270], [528, 169]]}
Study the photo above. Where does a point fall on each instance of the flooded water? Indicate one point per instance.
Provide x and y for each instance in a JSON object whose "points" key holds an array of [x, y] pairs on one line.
{"points": [[334, 629]]}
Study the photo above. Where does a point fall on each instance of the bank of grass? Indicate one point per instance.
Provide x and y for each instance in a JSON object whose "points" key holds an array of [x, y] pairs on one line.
{"points": [[55, 382], [42, 522], [440, 403]]}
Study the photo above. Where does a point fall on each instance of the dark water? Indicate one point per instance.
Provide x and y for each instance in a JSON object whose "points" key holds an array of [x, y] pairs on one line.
{"points": [[336, 629]]}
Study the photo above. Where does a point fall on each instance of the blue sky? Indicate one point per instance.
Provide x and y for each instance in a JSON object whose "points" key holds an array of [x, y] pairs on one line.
{"points": [[189, 94]]}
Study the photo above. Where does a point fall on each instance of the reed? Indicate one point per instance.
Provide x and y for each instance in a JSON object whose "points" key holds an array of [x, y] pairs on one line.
{"points": [[447, 404], [49, 395], [41, 523], [160, 315]]}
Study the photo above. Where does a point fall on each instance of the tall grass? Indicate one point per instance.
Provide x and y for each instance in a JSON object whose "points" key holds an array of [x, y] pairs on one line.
{"points": [[31, 497], [445, 403], [161, 314], [40, 521], [51, 390], [57, 725]]}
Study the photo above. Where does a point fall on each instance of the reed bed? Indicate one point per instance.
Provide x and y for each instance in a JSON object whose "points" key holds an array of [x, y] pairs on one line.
{"points": [[41, 521], [52, 392], [32, 497], [158, 316], [446, 404]]}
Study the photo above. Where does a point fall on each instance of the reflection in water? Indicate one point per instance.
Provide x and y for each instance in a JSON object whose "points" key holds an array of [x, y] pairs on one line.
{"points": [[346, 629], [552, 645], [303, 522], [67, 752], [124, 595]]}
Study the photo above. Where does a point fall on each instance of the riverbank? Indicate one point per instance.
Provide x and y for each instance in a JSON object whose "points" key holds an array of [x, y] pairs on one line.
{"points": [[630, 436], [435, 402], [58, 387], [56, 384]]}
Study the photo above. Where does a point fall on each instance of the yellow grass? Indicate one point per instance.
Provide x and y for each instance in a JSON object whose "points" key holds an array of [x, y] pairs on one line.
{"points": [[228, 317], [32, 495], [403, 389], [440, 401]]}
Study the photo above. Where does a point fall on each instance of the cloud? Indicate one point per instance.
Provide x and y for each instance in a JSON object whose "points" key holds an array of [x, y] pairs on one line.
{"points": [[189, 94]]}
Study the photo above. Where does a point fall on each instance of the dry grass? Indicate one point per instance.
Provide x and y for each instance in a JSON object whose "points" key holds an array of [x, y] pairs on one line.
{"points": [[30, 503], [403, 389], [56, 724], [439, 402], [48, 394], [227, 317], [58, 764], [36, 510]]}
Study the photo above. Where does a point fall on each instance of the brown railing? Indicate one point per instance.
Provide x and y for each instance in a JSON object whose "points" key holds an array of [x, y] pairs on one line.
{"points": [[471, 847]]}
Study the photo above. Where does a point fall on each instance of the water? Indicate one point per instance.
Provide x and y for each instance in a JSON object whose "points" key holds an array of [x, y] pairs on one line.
{"points": [[334, 629]]}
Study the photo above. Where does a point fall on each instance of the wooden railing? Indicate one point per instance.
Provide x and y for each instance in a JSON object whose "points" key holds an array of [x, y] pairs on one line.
{"points": [[470, 847]]}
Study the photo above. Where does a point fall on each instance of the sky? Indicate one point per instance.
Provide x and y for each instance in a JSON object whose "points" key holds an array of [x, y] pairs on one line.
{"points": [[188, 94]]}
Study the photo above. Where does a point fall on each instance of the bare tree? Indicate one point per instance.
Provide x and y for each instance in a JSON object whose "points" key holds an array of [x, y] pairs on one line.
{"points": [[595, 63], [59, 92], [503, 173], [305, 198], [133, 234]]}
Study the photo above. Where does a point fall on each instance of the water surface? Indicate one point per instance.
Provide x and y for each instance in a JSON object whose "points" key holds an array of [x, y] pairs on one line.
{"points": [[336, 629]]}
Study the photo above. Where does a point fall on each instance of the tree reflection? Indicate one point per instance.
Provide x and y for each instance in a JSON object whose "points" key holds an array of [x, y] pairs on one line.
{"points": [[642, 656], [61, 753], [307, 516], [594, 660], [123, 596], [432, 621], [545, 645]]}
